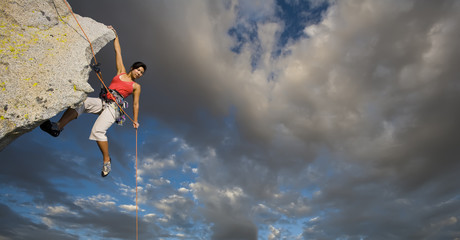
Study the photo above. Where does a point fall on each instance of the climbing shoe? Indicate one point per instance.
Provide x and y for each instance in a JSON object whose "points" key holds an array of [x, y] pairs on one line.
{"points": [[51, 128], [106, 168]]}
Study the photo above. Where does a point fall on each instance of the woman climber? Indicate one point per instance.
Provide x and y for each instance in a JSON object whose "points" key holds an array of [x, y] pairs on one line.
{"points": [[122, 85]]}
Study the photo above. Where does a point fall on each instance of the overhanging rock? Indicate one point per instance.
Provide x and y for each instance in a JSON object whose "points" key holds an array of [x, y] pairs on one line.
{"points": [[44, 64]]}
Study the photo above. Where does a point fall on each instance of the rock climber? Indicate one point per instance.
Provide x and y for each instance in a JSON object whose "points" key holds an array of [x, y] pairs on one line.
{"points": [[122, 85]]}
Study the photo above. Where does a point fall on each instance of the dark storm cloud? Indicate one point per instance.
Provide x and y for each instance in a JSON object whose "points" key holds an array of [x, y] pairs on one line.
{"points": [[15, 226], [396, 88], [366, 102], [351, 130], [27, 170], [99, 216]]}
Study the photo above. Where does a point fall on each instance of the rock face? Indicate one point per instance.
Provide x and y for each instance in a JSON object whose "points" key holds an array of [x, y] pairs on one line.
{"points": [[44, 62]]}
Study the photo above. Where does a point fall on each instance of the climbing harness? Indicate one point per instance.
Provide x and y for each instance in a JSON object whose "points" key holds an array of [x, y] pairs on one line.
{"points": [[115, 96], [97, 69]]}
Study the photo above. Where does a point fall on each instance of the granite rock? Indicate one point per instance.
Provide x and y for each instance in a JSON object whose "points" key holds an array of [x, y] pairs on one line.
{"points": [[44, 62]]}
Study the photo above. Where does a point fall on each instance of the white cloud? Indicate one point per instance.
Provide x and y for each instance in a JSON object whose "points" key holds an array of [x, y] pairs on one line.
{"points": [[58, 210], [274, 233], [130, 208], [96, 201], [47, 221], [150, 166], [160, 181], [183, 190], [125, 190], [176, 210]]}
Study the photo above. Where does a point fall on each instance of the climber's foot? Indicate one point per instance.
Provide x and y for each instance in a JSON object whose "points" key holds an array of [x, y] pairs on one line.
{"points": [[51, 128], [106, 168]]}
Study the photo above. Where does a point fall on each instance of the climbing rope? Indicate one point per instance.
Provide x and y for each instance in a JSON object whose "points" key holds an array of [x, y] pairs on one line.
{"points": [[96, 68], [137, 224]]}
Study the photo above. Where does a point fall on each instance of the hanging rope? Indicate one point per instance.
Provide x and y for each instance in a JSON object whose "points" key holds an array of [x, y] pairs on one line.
{"points": [[99, 76], [137, 225]]}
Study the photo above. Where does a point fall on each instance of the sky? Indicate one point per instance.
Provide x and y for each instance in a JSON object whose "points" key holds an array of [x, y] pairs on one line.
{"points": [[260, 119]]}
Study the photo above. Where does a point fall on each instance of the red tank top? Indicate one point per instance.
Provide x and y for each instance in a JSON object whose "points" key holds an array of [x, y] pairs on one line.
{"points": [[124, 88]]}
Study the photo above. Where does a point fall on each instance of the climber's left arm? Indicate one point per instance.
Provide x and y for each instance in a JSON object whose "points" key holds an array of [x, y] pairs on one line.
{"points": [[136, 95]]}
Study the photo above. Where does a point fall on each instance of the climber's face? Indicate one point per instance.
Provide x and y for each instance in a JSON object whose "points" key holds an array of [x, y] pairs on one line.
{"points": [[137, 72]]}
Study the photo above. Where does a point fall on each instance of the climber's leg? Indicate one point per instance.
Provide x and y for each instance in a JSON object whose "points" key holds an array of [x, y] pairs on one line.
{"points": [[104, 147], [69, 115]]}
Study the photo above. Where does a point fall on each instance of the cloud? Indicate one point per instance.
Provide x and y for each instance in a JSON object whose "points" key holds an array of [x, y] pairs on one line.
{"points": [[128, 207], [15, 226], [58, 210], [176, 209], [228, 210], [275, 233], [365, 93], [33, 174], [100, 216], [350, 132], [353, 108]]}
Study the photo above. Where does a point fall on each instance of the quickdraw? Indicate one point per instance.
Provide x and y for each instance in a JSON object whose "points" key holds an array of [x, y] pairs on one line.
{"points": [[96, 67]]}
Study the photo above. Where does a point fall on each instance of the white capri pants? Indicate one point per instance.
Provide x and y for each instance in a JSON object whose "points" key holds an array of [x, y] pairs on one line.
{"points": [[108, 113]]}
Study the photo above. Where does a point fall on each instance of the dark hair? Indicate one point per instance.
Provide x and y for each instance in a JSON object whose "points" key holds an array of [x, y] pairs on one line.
{"points": [[137, 65]]}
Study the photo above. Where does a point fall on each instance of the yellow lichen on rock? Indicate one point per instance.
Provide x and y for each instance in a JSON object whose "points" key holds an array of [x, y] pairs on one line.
{"points": [[44, 62]]}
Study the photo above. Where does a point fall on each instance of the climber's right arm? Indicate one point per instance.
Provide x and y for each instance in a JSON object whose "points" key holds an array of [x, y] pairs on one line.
{"points": [[118, 57]]}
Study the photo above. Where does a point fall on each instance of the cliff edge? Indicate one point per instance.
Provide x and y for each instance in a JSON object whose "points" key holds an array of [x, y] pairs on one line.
{"points": [[44, 62]]}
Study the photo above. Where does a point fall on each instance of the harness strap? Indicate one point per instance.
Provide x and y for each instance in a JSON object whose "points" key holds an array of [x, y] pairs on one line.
{"points": [[103, 95]]}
